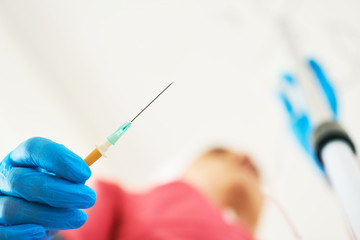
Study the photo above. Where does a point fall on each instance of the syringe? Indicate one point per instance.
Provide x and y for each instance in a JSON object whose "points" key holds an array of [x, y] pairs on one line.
{"points": [[100, 150]]}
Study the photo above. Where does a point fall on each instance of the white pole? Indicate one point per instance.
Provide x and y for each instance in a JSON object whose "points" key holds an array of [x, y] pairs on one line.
{"points": [[343, 170]]}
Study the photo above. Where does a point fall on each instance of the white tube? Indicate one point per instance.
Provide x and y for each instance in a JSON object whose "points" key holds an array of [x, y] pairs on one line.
{"points": [[343, 170]]}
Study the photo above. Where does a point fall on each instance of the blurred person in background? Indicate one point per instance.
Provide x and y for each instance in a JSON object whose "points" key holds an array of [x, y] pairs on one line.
{"points": [[191, 208]]}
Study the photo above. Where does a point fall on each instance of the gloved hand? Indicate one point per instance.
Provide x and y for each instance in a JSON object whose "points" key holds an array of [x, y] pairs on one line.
{"points": [[33, 200], [295, 104]]}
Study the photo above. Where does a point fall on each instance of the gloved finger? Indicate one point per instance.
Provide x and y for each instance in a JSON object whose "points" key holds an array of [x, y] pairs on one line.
{"points": [[50, 234], [35, 186], [293, 97], [51, 156], [302, 129], [325, 84], [15, 211], [287, 80], [286, 103], [22, 232]]}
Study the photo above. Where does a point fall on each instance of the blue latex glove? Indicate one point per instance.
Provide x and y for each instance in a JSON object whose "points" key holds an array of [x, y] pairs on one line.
{"points": [[299, 119], [33, 200]]}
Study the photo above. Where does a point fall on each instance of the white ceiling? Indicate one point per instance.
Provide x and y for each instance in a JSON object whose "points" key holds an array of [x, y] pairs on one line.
{"points": [[73, 71]]}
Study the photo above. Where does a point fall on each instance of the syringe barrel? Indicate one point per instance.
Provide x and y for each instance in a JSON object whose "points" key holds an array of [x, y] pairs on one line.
{"points": [[97, 153], [92, 157]]}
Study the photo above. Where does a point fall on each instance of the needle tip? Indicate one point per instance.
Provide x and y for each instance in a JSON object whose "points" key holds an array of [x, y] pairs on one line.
{"points": [[151, 102]]}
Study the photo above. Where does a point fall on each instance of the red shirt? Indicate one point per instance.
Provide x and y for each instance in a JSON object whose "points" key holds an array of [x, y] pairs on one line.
{"points": [[175, 211]]}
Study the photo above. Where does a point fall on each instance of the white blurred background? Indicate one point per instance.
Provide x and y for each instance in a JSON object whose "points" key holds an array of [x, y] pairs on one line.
{"points": [[74, 71]]}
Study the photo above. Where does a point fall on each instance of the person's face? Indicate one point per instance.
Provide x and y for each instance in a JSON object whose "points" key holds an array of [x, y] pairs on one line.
{"points": [[236, 171]]}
